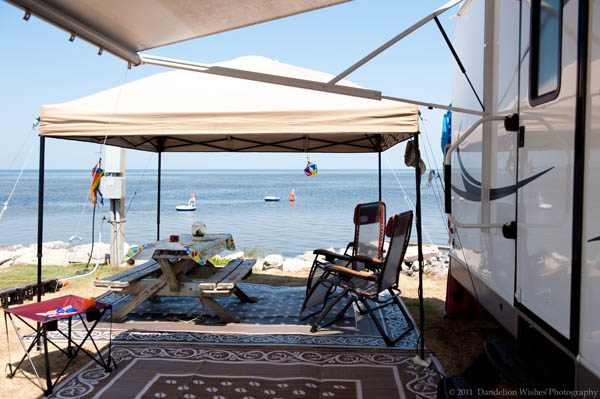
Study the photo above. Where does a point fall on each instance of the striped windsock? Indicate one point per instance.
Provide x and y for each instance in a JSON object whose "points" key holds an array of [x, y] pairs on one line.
{"points": [[97, 174]]}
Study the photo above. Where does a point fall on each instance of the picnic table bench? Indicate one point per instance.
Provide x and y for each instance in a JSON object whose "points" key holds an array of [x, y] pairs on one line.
{"points": [[184, 278], [122, 280], [224, 283]]}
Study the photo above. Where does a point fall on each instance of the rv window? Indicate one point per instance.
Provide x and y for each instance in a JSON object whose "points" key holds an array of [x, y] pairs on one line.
{"points": [[546, 39]]}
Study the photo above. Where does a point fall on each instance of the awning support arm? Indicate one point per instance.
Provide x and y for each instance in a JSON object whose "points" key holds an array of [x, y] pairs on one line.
{"points": [[394, 40], [457, 59], [291, 82], [261, 77], [434, 105]]}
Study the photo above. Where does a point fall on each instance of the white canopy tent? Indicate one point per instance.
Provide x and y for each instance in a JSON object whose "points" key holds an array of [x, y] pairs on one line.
{"points": [[183, 111], [190, 111]]}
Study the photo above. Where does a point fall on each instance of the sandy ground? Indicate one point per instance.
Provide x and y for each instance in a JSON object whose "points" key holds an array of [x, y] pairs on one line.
{"points": [[455, 342]]}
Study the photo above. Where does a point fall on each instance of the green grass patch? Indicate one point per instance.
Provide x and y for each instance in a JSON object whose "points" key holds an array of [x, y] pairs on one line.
{"points": [[255, 253], [17, 275], [431, 309], [219, 261]]}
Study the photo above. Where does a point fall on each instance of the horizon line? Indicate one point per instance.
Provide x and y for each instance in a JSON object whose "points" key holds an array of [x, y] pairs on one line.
{"points": [[203, 169]]}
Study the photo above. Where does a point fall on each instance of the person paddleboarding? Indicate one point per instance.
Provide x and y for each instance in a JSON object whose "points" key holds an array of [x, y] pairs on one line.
{"points": [[292, 196], [192, 201]]}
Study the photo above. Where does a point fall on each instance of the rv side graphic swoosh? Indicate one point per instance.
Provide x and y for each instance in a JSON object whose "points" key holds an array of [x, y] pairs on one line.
{"points": [[466, 174], [473, 186], [594, 239], [500, 192]]}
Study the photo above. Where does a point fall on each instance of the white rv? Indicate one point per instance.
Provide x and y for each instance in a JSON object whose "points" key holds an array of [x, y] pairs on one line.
{"points": [[525, 197]]}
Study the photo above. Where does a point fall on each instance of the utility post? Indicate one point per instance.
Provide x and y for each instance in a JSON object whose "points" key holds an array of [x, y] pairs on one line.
{"points": [[122, 209], [113, 188]]}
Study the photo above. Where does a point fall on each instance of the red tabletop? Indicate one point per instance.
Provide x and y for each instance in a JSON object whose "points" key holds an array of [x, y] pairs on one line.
{"points": [[55, 309]]}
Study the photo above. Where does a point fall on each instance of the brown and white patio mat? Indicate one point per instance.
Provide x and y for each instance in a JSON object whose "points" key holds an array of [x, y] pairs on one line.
{"points": [[198, 371]]}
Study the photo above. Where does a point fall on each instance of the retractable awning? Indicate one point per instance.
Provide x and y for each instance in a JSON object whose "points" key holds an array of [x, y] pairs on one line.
{"points": [[184, 111], [126, 27]]}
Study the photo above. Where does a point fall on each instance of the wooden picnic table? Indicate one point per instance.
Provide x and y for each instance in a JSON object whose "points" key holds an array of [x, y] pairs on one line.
{"points": [[181, 269]]}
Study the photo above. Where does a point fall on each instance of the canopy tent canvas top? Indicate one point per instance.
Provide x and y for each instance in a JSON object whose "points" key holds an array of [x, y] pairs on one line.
{"points": [[184, 111]]}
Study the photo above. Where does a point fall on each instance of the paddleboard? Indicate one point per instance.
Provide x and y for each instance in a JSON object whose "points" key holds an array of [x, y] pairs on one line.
{"points": [[183, 208], [271, 199]]}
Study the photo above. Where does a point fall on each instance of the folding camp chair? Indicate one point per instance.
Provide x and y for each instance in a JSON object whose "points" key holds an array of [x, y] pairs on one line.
{"points": [[363, 287], [369, 225]]}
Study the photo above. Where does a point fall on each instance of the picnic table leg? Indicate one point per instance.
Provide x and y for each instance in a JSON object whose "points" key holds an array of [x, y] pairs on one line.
{"points": [[243, 297], [219, 310], [137, 300], [169, 274]]}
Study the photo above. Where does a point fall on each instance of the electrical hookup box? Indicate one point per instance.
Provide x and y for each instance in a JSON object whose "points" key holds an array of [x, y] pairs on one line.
{"points": [[113, 187]]}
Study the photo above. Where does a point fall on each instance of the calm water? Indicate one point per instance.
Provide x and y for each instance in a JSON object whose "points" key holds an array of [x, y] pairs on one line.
{"points": [[227, 201]]}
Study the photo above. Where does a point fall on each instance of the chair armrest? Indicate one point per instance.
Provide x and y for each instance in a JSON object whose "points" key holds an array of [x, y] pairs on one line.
{"points": [[350, 245], [331, 256], [347, 272], [373, 264], [367, 259]]}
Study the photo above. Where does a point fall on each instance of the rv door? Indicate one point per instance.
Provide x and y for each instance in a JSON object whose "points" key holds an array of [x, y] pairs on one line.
{"points": [[546, 164]]}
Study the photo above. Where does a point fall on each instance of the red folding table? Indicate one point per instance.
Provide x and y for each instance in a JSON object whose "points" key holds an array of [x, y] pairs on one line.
{"points": [[47, 314]]}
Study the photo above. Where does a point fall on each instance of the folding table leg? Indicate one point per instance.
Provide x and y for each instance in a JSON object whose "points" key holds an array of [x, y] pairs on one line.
{"points": [[26, 350], [35, 341], [101, 362], [69, 340], [49, 386]]}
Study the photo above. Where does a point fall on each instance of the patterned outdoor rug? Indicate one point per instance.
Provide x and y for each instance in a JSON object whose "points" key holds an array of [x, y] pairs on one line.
{"points": [[192, 371], [271, 321]]}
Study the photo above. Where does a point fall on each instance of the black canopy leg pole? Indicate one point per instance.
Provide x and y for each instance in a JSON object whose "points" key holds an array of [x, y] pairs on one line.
{"points": [[40, 217], [420, 245], [158, 199], [379, 159], [40, 237]]}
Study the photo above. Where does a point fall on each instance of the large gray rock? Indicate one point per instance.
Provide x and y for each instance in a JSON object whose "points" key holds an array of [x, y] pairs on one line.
{"points": [[49, 256], [295, 264], [273, 261], [235, 255], [428, 252], [259, 265], [81, 253], [308, 256]]}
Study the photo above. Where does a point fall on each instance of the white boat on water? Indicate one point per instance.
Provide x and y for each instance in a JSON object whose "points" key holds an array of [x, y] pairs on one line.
{"points": [[185, 208]]}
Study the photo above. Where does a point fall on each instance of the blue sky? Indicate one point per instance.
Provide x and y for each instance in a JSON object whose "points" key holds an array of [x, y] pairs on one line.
{"points": [[40, 66]]}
